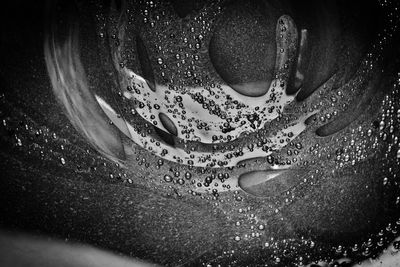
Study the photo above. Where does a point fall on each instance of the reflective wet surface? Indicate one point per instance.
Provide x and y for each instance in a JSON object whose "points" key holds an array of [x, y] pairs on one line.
{"points": [[205, 133]]}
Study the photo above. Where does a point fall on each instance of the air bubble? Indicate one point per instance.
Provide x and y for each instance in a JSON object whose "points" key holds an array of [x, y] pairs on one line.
{"points": [[168, 178]]}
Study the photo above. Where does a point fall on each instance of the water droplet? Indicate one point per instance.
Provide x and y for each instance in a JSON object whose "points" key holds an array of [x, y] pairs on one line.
{"points": [[19, 142], [167, 178], [188, 175]]}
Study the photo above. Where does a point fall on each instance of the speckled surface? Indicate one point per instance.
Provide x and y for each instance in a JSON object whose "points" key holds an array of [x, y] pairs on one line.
{"points": [[54, 183]]}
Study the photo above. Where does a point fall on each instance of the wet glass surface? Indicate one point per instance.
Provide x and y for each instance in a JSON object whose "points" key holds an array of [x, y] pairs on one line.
{"points": [[206, 132]]}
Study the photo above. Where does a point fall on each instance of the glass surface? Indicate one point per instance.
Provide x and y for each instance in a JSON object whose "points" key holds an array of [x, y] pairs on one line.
{"points": [[204, 133]]}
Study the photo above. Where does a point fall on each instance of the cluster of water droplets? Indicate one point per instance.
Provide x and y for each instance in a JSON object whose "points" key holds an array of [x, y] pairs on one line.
{"points": [[248, 215]]}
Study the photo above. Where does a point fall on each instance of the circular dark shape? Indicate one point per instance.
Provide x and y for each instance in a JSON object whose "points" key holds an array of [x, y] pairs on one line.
{"points": [[243, 47]]}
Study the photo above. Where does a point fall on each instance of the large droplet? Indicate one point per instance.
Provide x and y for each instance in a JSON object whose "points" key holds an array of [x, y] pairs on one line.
{"points": [[145, 63], [319, 55], [243, 47], [168, 124], [356, 109], [269, 183]]}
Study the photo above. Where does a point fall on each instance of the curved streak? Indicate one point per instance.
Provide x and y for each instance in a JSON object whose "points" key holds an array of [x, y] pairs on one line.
{"points": [[71, 89], [203, 159]]}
